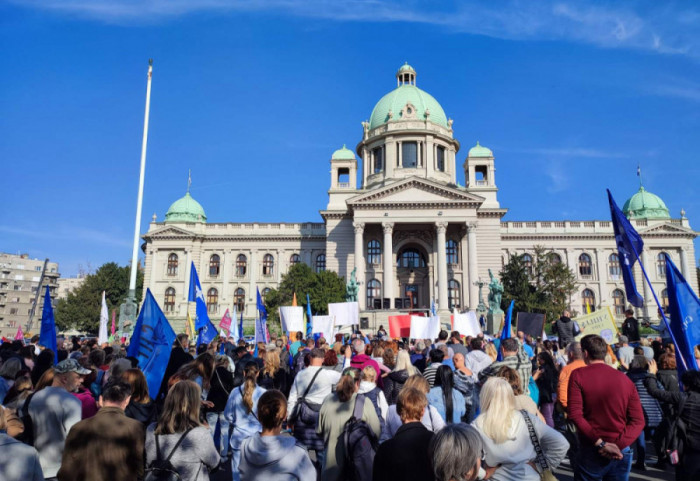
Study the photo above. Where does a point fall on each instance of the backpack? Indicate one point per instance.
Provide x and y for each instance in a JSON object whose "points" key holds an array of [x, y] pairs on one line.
{"points": [[360, 444], [96, 386], [162, 469], [26, 436]]}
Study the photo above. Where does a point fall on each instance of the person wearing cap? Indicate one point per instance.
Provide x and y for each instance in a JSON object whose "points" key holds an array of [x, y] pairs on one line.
{"points": [[54, 410]]}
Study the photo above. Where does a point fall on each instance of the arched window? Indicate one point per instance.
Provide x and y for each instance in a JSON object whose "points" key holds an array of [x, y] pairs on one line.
{"points": [[440, 159], [214, 265], [554, 258], [584, 265], [320, 262], [411, 258], [619, 302], [241, 265], [239, 299], [295, 259], [614, 266], [265, 292], [661, 265], [664, 299], [172, 264], [527, 262], [268, 265], [452, 250], [169, 301], [374, 293], [587, 299], [212, 300], [374, 252], [454, 298]]}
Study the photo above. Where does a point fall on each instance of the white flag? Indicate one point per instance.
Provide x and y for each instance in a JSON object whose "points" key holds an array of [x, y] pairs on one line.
{"points": [[104, 314]]}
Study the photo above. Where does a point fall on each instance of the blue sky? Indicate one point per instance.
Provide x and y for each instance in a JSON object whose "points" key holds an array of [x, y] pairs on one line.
{"points": [[255, 96]]}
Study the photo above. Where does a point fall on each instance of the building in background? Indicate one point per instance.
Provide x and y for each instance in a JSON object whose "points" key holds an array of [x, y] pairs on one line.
{"points": [[68, 284], [20, 281]]}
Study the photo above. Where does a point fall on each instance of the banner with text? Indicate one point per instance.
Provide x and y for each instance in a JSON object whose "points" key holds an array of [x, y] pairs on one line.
{"points": [[600, 322]]}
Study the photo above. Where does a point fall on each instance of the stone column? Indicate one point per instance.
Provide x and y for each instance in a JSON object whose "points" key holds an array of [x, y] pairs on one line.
{"points": [[252, 276], [226, 274], [443, 302], [601, 267], [647, 293], [473, 265], [360, 263], [684, 263], [388, 262]]}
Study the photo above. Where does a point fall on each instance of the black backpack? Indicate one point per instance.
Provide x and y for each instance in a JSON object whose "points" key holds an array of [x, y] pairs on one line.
{"points": [[162, 469], [26, 436], [360, 444]]}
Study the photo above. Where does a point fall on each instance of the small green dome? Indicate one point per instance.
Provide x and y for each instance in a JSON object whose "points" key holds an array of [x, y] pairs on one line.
{"points": [[186, 209], [406, 68], [480, 151], [343, 154], [645, 205]]}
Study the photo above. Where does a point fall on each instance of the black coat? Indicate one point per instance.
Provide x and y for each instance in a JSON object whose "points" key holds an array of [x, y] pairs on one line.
{"points": [[393, 384], [178, 358], [221, 387], [630, 328], [279, 381], [547, 384], [405, 456]]}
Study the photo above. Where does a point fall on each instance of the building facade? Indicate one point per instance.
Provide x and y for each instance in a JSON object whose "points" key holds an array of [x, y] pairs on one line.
{"points": [[20, 282], [408, 229], [68, 284]]}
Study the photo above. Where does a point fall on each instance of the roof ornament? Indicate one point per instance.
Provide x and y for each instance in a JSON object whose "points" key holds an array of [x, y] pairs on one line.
{"points": [[639, 174], [449, 125], [189, 180], [153, 219], [682, 213], [427, 114]]}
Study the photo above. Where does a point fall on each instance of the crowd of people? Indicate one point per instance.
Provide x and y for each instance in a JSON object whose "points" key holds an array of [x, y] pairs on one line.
{"points": [[357, 408]]}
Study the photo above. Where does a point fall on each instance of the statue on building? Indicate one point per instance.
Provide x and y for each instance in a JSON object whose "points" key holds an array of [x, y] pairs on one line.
{"points": [[352, 288], [482, 306], [495, 293]]}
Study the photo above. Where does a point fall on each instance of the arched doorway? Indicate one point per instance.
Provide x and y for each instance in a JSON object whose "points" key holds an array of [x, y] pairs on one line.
{"points": [[413, 276]]}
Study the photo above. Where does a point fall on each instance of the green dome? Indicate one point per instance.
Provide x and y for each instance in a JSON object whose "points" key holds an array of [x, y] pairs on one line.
{"points": [[186, 209], [645, 205], [480, 151], [343, 154], [406, 68]]}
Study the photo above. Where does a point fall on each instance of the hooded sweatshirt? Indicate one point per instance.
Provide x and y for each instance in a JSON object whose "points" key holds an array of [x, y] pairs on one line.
{"points": [[274, 458], [565, 329]]}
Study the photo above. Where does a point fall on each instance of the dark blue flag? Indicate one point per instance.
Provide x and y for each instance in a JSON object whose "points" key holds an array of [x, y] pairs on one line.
{"points": [[47, 335], [240, 328], [684, 308], [197, 296], [207, 333], [151, 343], [629, 247], [262, 317], [309, 324], [505, 333]]}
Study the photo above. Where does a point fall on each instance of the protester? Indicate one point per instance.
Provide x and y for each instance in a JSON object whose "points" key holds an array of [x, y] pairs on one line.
{"points": [[455, 454], [272, 375], [546, 378], [477, 360], [605, 407], [398, 376], [436, 356], [418, 356], [297, 344], [200, 370], [336, 410], [431, 418], [269, 456], [448, 401], [44, 361], [522, 401], [508, 445], [196, 454], [368, 387], [330, 361], [141, 407], [18, 461], [630, 326], [638, 372], [667, 376], [109, 445], [564, 328], [514, 358], [20, 390], [219, 391], [241, 413], [625, 352], [8, 372], [405, 455], [360, 360], [178, 358], [575, 357]]}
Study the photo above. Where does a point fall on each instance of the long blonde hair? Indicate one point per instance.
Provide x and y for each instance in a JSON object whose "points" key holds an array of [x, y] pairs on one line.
{"points": [[490, 349], [403, 361], [181, 409], [251, 376], [272, 363], [497, 409]]}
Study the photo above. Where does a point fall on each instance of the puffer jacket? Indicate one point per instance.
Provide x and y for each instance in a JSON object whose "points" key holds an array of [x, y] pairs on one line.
{"points": [[691, 410], [393, 383], [651, 407]]}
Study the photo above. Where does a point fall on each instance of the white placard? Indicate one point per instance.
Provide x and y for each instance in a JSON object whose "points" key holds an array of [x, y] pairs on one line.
{"points": [[322, 325], [345, 313], [425, 327], [466, 323], [292, 318]]}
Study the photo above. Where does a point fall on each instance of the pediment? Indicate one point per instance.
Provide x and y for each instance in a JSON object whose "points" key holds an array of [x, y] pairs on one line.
{"points": [[169, 231], [415, 190], [667, 228]]}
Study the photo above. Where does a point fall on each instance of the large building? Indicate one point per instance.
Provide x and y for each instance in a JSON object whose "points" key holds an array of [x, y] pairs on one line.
{"points": [[408, 228], [20, 282]]}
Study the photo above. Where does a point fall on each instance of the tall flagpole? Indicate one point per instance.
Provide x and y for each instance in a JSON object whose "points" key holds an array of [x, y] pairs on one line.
{"points": [[127, 311]]}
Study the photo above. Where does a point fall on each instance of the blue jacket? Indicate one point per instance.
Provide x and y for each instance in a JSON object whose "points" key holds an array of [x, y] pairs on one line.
{"points": [[435, 399], [244, 424]]}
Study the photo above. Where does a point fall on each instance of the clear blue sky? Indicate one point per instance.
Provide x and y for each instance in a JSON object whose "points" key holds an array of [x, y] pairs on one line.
{"points": [[255, 96]]}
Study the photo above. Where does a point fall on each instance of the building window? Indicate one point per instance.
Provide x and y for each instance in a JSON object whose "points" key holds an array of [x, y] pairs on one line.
{"points": [[268, 265], [452, 253], [212, 300], [554, 258], [453, 294], [411, 258], [440, 159], [584, 265], [320, 262], [374, 291], [661, 265], [214, 265], [239, 299], [295, 259], [374, 252], [614, 266], [409, 154], [587, 299], [664, 299], [265, 292], [169, 301], [527, 263], [241, 265], [172, 265], [378, 155], [619, 302], [13, 310]]}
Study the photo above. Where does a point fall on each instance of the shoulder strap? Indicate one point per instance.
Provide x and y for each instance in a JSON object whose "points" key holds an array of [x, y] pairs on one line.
{"points": [[228, 393], [308, 388], [359, 407], [177, 445], [535, 442], [25, 406]]}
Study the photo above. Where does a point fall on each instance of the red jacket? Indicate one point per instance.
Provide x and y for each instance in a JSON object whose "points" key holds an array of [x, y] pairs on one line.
{"points": [[88, 402]]}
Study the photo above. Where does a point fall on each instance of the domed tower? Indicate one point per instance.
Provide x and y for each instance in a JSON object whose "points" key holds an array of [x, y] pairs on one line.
{"points": [[408, 134], [645, 205], [185, 210], [480, 175]]}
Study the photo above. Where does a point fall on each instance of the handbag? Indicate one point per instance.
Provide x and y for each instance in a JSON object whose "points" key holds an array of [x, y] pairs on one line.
{"points": [[546, 474], [305, 411]]}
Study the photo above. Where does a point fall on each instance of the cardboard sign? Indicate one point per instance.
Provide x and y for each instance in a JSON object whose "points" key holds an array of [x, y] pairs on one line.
{"points": [[600, 322], [292, 318], [530, 323], [466, 323]]}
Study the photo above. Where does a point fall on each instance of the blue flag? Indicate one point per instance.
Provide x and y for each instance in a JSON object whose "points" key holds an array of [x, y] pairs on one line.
{"points": [[684, 308], [629, 247], [47, 336], [240, 328], [262, 319], [207, 333], [433, 309], [505, 333], [197, 296], [309, 323], [151, 343]]}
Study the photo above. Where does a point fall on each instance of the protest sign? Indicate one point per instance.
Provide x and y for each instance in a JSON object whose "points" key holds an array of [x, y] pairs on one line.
{"points": [[599, 322], [424, 327], [399, 326], [345, 313], [292, 318], [466, 323], [323, 325], [530, 323]]}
